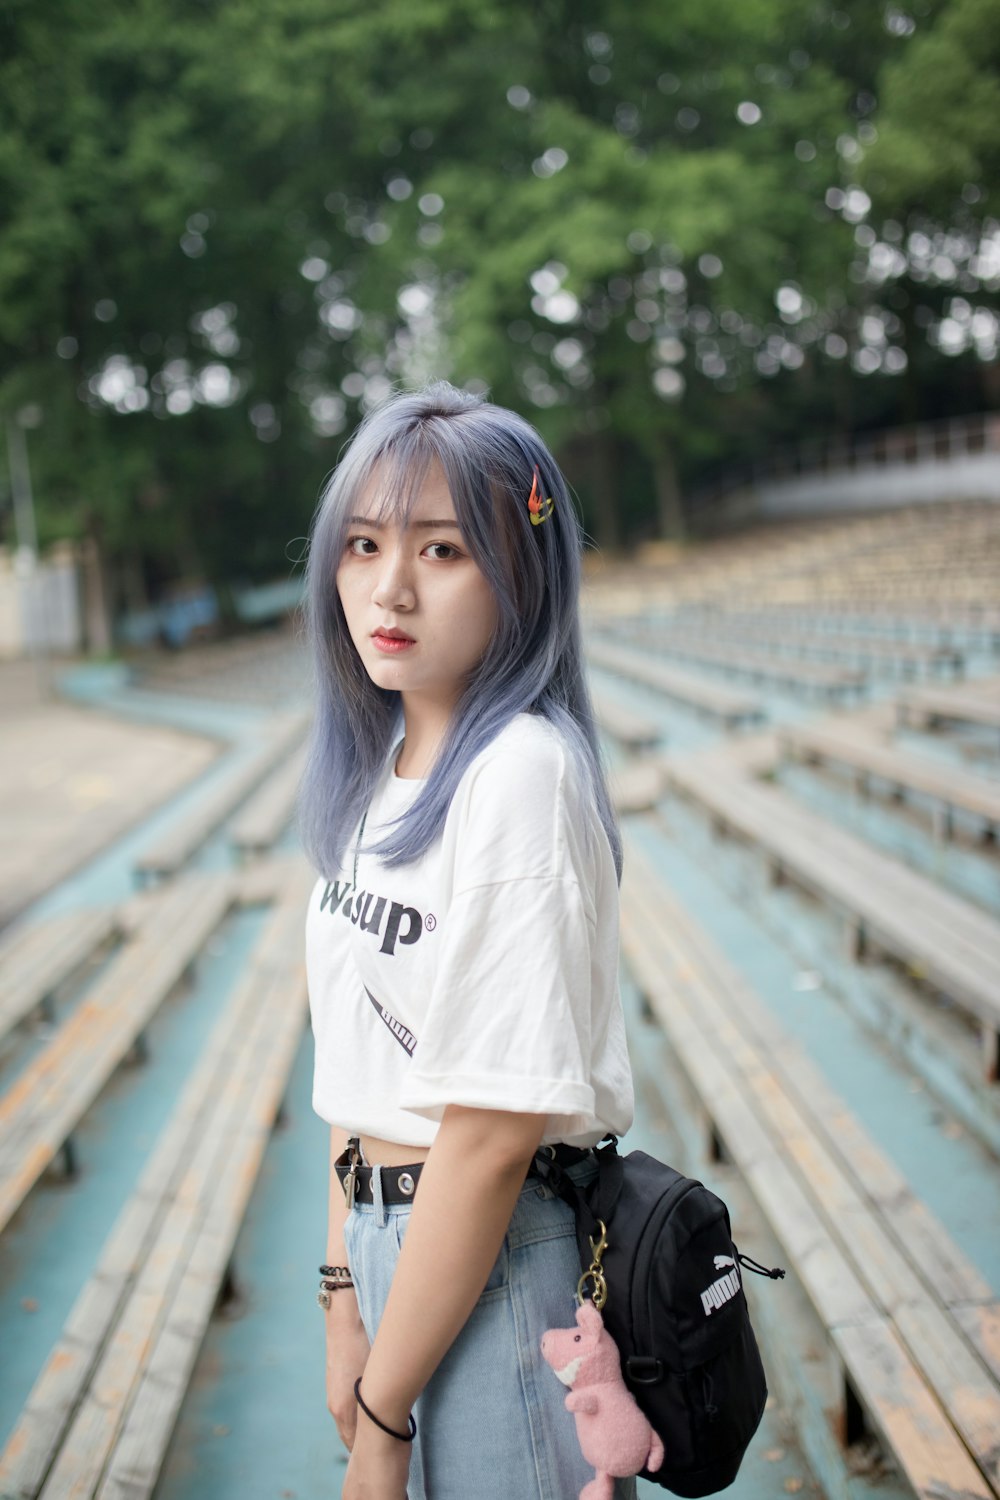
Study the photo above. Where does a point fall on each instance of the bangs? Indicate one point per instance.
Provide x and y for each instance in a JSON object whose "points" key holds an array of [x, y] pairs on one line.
{"points": [[384, 487], [387, 491]]}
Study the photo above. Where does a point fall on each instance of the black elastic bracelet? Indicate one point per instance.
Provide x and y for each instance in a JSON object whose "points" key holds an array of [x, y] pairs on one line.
{"points": [[335, 1270], [404, 1437]]}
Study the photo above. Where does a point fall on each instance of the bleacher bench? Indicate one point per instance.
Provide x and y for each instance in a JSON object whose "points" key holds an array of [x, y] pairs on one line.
{"points": [[169, 852], [41, 1108], [762, 666], [634, 731], [260, 824], [950, 788], [976, 702], [710, 698], [36, 959], [945, 939], [99, 1418], [913, 1326]]}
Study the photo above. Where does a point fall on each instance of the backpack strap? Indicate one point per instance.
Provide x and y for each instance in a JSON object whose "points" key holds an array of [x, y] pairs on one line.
{"points": [[600, 1199], [607, 1190], [554, 1177]]}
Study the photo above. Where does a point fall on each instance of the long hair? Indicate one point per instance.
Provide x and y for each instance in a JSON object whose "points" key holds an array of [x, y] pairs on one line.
{"points": [[533, 663]]}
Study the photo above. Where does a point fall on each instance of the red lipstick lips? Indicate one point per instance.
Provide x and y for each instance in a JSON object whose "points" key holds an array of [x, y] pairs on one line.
{"points": [[391, 641]]}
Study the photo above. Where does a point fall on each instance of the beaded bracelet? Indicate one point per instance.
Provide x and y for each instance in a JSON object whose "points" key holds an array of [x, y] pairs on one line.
{"points": [[341, 1280], [327, 1289]]}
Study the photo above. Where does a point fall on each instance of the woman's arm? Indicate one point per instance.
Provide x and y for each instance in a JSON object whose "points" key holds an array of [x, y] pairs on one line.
{"points": [[468, 1187], [346, 1341]]}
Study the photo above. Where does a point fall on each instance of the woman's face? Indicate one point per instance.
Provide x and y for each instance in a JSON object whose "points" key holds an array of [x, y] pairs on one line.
{"points": [[419, 611]]}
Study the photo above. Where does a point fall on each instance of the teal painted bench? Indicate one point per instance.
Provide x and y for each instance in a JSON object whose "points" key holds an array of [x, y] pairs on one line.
{"points": [[100, 1415], [912, 1326]]}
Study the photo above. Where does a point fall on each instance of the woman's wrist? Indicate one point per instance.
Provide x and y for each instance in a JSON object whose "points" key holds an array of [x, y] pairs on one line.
{"points": [[370, 1439], [392, 1404]]}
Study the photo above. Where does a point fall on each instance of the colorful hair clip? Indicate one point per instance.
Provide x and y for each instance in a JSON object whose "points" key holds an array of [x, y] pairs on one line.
{"points": [[538, 509]]}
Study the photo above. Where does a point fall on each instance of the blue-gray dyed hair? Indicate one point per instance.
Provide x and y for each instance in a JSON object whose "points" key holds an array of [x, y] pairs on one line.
{"points": [[534, 661]]}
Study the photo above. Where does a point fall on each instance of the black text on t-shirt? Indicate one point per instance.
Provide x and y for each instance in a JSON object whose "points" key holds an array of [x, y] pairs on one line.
{"points": [[403, 924]]}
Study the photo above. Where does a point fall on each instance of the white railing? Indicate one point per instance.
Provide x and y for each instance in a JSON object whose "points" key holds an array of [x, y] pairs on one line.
{"points": [[954, 459]]}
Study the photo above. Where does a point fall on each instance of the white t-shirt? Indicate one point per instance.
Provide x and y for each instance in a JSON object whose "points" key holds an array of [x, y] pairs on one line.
{"points": [[484, 973]]}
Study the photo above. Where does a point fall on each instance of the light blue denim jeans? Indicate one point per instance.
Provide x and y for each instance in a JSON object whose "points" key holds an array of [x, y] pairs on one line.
{"points": [[492, 1423]]}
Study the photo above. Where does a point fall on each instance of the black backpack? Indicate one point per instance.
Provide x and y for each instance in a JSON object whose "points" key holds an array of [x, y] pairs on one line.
{"points": [[675, 1308]]}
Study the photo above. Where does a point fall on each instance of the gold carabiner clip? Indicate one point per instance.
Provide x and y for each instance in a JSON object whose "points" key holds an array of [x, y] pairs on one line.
{"points": [[594, 1273]]}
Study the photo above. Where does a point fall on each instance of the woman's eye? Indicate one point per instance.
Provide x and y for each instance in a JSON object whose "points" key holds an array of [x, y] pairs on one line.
{"points": [[442, 551], [361, 546]]}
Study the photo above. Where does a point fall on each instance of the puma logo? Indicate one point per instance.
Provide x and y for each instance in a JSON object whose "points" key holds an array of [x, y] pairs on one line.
{"points": [[724, 1288]]}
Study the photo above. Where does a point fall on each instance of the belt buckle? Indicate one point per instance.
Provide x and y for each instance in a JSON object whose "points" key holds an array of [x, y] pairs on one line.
{"points": [[351, 1180]]}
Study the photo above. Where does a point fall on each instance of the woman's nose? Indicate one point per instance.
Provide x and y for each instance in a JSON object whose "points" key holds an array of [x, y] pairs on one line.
{"points": [[393, 585]]}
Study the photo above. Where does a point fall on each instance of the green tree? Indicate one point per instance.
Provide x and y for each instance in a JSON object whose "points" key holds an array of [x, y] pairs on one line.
{"points": [[674, 236]]}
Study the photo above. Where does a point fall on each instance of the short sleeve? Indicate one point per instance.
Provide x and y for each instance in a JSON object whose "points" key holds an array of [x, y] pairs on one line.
{"points": [[509, 1020]]}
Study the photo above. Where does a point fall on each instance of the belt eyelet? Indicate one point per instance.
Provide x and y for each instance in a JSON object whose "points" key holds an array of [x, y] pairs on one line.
{"points": [[405, 1184]]}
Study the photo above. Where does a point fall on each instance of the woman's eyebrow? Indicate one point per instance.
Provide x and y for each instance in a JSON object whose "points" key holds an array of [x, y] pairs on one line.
{"points": [[376, 526]]}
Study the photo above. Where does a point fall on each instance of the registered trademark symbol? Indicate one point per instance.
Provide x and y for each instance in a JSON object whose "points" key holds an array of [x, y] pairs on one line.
{"points": [[430, 921]]}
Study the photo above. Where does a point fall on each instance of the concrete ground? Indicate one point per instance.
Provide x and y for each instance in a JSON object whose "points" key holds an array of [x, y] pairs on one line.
{"points": [[72, 779]]}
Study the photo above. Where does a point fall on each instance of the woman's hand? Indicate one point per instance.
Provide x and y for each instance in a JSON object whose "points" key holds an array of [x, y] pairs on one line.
{"points": [[378, 1466], [347, 1350]]}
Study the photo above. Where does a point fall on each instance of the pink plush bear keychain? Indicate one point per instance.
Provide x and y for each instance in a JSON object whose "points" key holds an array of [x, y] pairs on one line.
{"points": [[614, 1435]]}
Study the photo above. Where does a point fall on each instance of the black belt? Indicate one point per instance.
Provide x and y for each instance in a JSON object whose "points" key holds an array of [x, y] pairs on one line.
{"points": [[400, 1183]]}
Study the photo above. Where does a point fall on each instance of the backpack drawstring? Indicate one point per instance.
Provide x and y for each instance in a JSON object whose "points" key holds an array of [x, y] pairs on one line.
{"points": [[776, 1273]]}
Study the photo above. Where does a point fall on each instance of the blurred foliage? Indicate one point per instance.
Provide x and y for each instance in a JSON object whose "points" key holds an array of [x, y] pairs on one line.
{"points": [[674, 236], [940, 135]]}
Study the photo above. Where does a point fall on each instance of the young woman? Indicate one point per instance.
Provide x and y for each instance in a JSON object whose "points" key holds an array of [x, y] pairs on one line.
{"points": [[461, 947]]}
